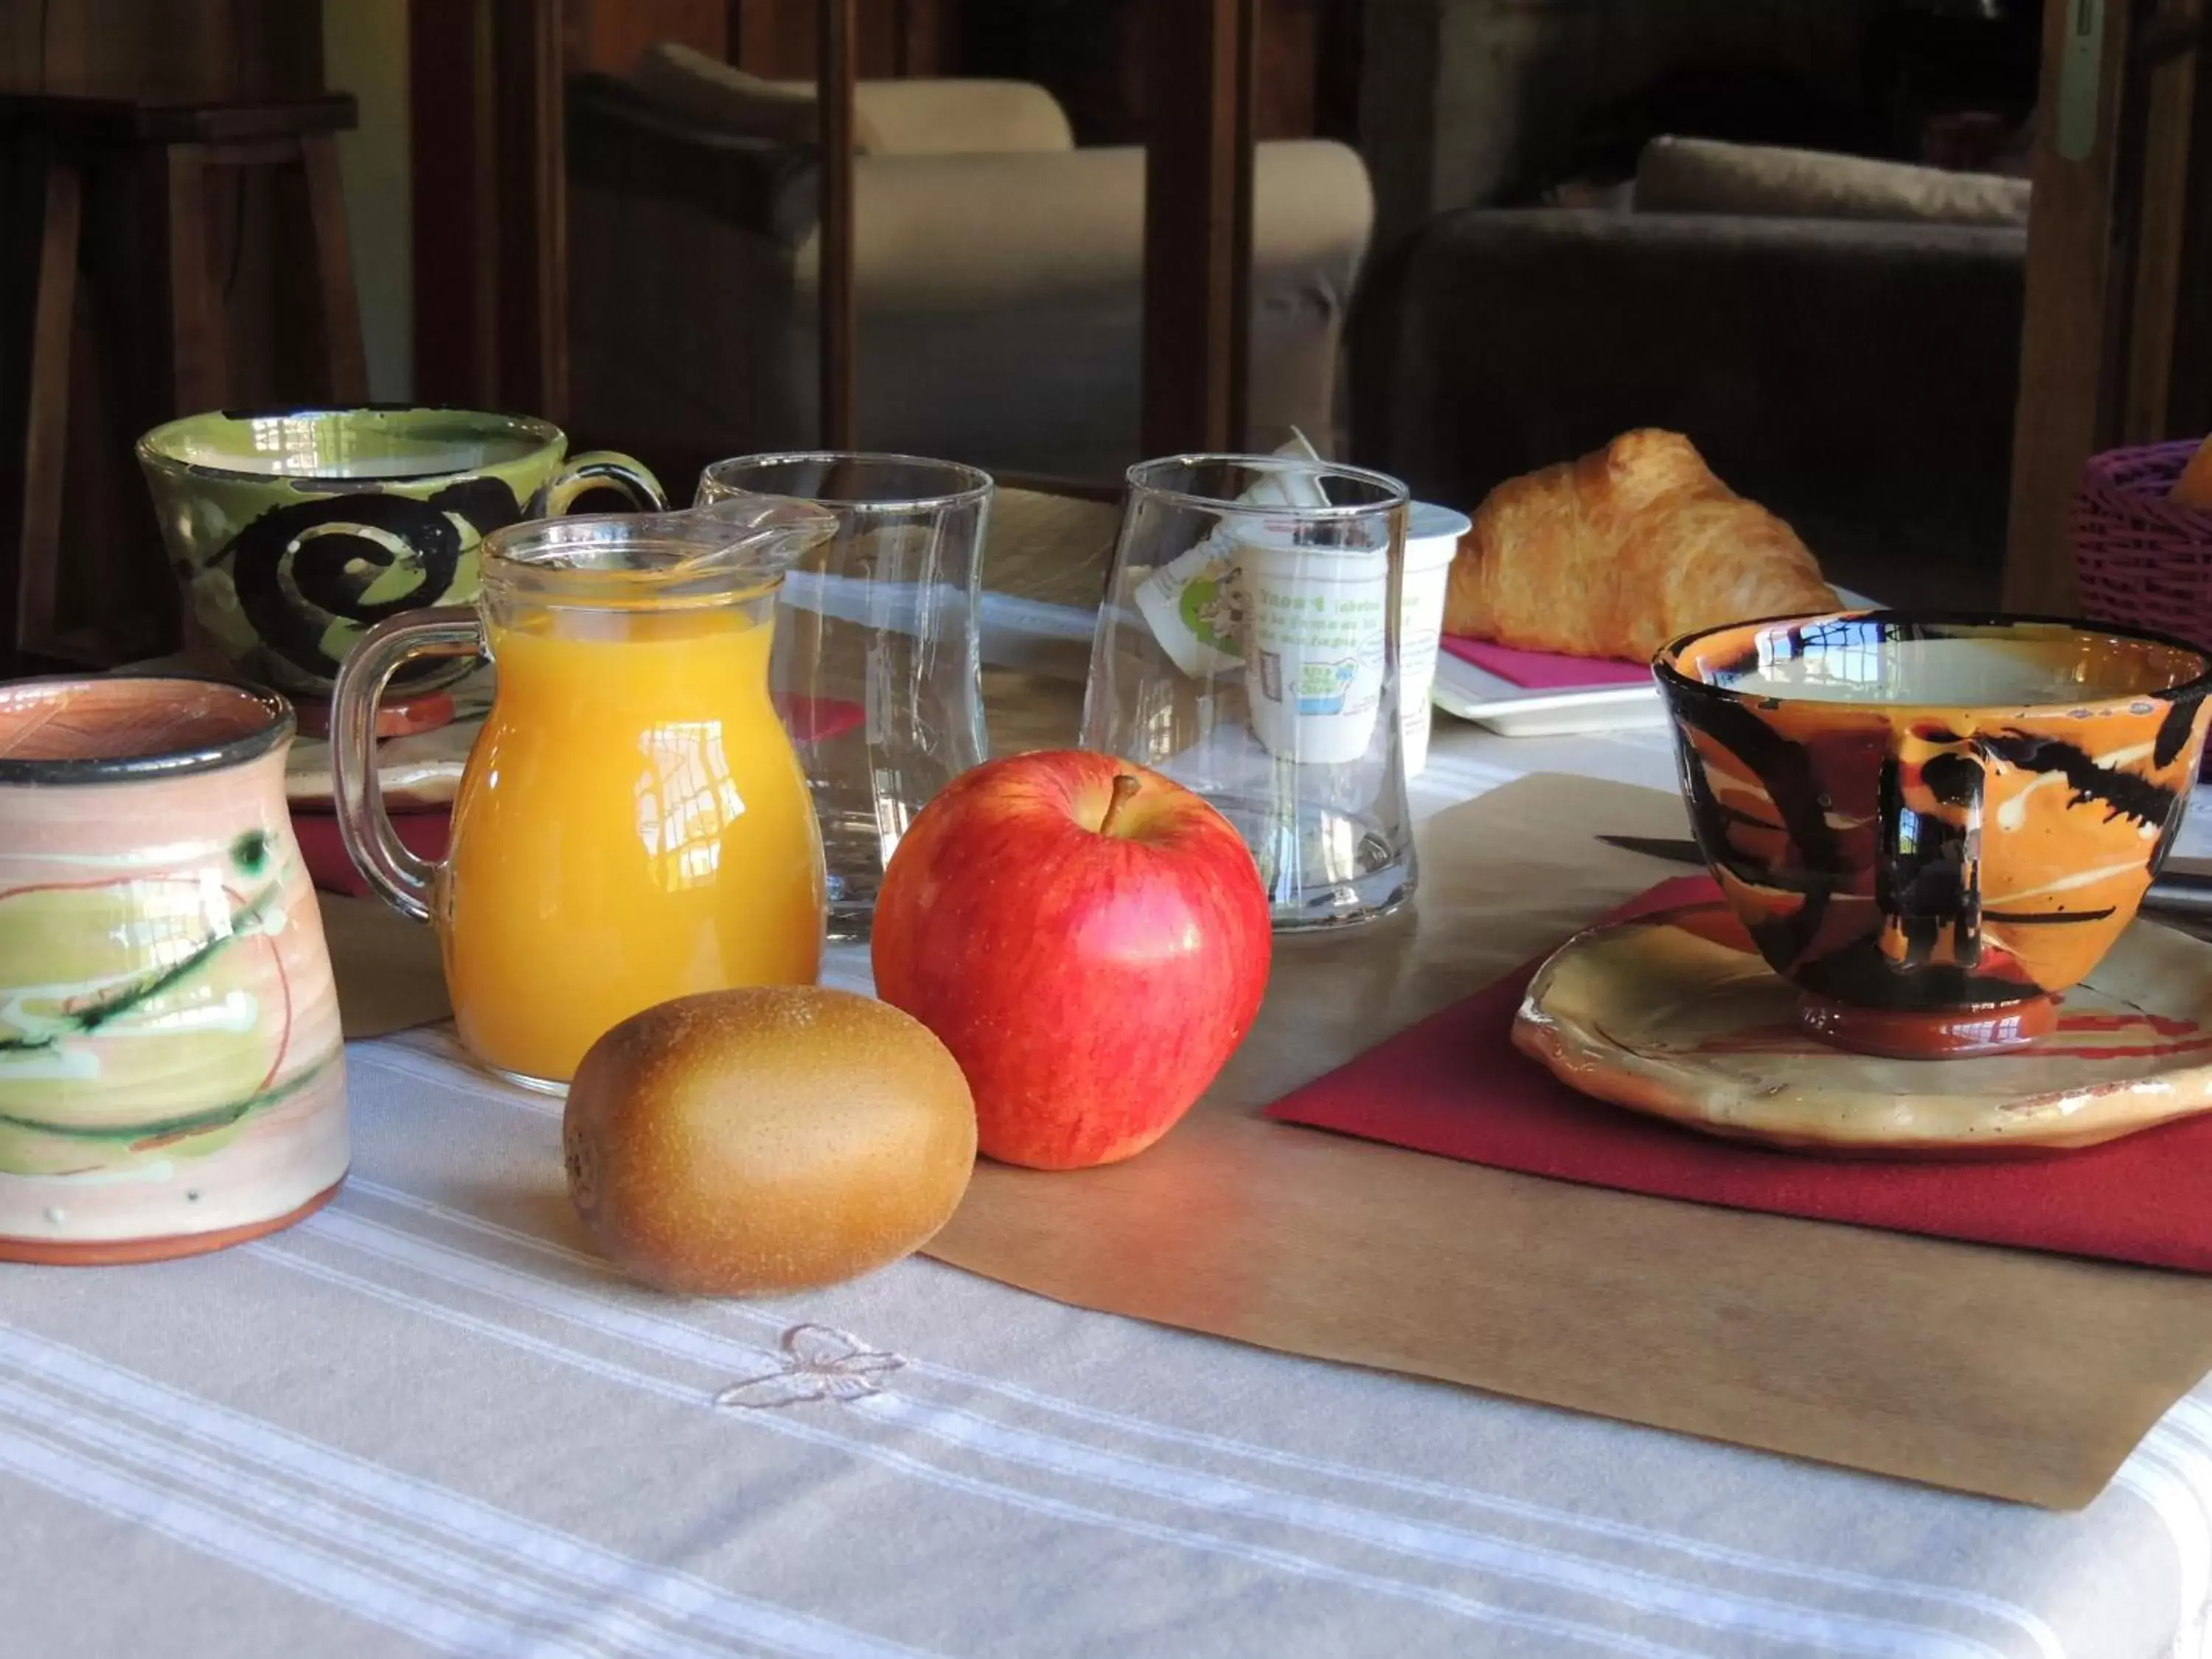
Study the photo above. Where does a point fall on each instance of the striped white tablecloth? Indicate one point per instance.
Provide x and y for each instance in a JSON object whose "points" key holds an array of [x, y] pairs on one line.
{"points": [[428, 1420]]}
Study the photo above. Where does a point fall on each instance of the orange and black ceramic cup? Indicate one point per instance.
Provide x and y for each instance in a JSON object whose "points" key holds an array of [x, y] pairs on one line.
{"points": [[1933, 824]]}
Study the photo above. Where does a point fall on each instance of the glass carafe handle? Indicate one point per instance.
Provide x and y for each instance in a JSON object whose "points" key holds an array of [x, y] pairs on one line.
{"points": [[401, 876]]}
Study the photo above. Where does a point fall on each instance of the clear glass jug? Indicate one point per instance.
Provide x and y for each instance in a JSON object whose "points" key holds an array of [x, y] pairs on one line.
{"points": [[878, 661], [632, 824]]}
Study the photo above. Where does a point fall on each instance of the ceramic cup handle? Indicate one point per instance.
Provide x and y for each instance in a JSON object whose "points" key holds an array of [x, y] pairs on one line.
{"points": [[403, 878], [599, 469], [1929, 877]]}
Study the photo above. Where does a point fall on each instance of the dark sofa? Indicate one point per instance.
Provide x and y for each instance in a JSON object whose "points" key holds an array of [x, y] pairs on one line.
{"points": [[1857, 376]]}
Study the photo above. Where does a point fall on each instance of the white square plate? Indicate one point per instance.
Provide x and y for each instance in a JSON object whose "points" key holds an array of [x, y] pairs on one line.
{"points": [[1521, 711]]}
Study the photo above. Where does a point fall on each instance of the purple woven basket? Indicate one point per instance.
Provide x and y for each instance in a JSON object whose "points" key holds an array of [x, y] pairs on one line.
{"points": [[2144, 560]]}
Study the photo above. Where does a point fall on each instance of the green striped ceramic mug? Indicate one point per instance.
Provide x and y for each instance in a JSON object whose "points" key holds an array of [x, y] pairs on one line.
{"points": [[294, 531]]}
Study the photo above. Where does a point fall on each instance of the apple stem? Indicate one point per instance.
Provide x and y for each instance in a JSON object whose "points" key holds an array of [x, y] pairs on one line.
{"points": [[1125, 787]]}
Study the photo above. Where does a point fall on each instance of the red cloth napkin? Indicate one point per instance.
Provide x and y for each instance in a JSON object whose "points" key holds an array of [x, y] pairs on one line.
{"points": [[1545, 671], [1456, 1085]]}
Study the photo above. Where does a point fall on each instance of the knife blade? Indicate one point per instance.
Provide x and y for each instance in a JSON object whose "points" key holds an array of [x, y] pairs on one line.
{"points": [[2181, 892]]}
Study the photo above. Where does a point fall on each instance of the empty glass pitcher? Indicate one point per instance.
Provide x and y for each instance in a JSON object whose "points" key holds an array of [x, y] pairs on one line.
{"points": [[632, 824], [878, 663]]}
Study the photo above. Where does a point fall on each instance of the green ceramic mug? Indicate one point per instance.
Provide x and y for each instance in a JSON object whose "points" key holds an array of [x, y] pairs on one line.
{"points": [[294, 531]]}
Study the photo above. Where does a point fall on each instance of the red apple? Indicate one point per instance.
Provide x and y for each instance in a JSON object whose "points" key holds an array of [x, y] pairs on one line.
{"points": [[1089, 940]]}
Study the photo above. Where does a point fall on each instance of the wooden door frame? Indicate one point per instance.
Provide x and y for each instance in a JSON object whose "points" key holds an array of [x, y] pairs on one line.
{"points": [[491, 204], [2117, 336], [1198, 158], [836, 75]]}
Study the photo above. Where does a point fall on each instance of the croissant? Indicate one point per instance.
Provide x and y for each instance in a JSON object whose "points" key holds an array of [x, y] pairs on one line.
{"points": [[1617, 553]]}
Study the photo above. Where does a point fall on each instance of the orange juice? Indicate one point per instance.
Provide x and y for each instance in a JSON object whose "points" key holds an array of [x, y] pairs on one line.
{"points": [[632, 826]]}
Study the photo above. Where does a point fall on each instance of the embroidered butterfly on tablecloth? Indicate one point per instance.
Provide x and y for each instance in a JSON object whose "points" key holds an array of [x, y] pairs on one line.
{"points": [[818, 1362]]}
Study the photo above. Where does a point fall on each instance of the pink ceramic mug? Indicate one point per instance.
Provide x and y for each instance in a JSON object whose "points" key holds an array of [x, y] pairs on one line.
{"points": [[172, 1077]]}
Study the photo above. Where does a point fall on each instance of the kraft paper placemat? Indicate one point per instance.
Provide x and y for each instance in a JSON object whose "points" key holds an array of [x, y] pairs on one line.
{"points": [[1054, 547], [388, 973], [2022, 1376]]}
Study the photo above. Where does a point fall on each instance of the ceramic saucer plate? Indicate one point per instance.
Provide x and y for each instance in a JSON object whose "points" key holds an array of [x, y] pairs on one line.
{"points": [[1675, 1014]]}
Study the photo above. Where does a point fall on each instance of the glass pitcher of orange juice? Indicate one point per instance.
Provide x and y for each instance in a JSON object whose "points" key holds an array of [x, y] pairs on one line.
{"points": [[632, 824]]}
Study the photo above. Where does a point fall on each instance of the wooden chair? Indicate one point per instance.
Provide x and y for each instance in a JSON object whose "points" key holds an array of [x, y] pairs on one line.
{"points": [[173, 148]]}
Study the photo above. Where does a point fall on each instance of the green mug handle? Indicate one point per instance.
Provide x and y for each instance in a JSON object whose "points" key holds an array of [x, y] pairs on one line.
{"points": [[599, 469]]}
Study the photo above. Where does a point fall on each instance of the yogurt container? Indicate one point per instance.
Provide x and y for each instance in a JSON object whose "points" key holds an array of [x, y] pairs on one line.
{"points": [[1432, 536], [1194, 603], [1315, 640]]}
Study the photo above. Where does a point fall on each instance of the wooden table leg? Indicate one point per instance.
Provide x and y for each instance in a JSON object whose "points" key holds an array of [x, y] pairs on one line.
{"points": [[45, 433], [341, 308], [196, 322]]}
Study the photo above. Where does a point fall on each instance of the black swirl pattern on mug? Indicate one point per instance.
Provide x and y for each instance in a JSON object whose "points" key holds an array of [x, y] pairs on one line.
{"points": [[292, 585]]}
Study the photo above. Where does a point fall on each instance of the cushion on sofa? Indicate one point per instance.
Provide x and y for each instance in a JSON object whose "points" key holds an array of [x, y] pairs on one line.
{"points": [[689, 84], [890, 118], [1702, 175], [957, 117]]}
